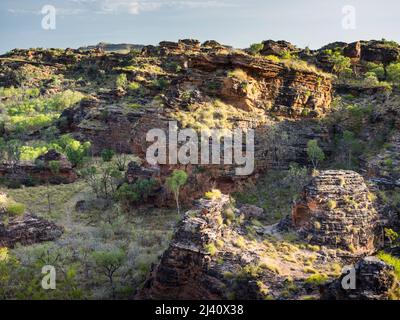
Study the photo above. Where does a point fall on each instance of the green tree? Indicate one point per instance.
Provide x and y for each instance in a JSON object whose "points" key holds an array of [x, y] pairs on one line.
{"points": [[255, 48], [351, 147], [121, 82], [109, 262], [103, 181], [393, 73], [135, 192], [174, 183], [77, 152], [13, 153], [341, 64], [315, 153]]}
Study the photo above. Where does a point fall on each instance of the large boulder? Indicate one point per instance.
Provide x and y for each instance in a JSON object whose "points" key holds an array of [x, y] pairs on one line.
{"points": [[22, 227], [27, 230], [374, 281], [277, 48]]}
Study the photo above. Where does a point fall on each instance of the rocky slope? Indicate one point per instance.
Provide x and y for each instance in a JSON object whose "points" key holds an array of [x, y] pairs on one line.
{"points": [[211, 257], [225, 247]]}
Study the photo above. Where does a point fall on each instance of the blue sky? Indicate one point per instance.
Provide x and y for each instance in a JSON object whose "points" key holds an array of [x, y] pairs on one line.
{"points": [[239, 23]]}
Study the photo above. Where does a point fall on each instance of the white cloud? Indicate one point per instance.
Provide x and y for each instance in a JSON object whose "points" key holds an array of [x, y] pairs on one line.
{"points": [[138, 6], [134, 7]]}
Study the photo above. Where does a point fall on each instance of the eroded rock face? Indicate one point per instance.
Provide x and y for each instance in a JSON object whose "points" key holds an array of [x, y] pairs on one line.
{"points": [[263, 95], [270, 89], [277, 48], [218, 253], [269, 86], [374, 281], [335, 209], [27, 230], [39, 171], [183, 270]]}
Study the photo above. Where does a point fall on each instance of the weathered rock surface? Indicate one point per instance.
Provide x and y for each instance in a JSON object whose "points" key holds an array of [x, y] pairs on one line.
{"points": [[277, 48], [374, 281], [335, 209], [39, 171], [28, 230], [271, 89], [183, 272], [214, 256]]}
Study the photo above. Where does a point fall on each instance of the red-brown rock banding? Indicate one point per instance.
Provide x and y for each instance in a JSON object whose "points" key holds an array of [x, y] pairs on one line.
{"points": [[39, 171], [182, 271], [27, 230], [336, 210]]}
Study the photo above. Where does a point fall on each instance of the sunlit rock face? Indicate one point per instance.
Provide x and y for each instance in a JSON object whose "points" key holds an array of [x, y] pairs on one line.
{"points": [[335, 209]]}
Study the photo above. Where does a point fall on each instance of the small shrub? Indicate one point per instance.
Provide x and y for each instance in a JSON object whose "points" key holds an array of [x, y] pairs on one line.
{"points": [[273, 58], [255, 48], [229, 214], [393, 72], [332, 204], [240, 243], [107, 155], [391, 235], [211, 249], [134, 86], [317, 279], [213, 194], [15, 209], [219, 244], [121, 82], [391, 260], [270, 266], [371, 196], [238, 74]]}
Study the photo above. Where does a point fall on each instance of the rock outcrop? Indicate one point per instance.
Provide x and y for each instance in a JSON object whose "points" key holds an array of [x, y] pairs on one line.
{"points": [[249, 92], [277, 48], [184, 270], [39, 171], [27, 230], [262, 89], [218, 253], [374, 281], [336, 209]]}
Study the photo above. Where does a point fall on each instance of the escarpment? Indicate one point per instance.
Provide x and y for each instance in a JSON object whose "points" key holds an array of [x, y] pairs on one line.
{"points": [[215, 87]]}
